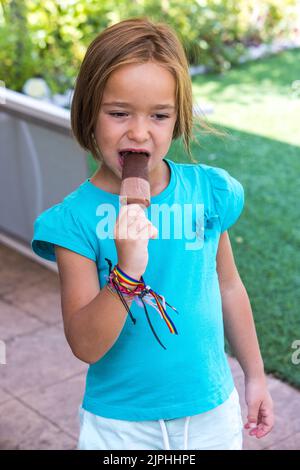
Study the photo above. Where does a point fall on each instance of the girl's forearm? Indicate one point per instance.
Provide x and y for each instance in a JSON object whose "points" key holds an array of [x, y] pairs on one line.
{"points": [[94, 329], [240, 330]]}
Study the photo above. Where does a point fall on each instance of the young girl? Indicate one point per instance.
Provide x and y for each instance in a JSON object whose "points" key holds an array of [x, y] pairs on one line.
{"points": [[147, 293]]}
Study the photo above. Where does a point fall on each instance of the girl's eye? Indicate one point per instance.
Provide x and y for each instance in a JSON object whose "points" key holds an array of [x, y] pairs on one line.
{"points": [[162, 116], [159, 116], [117, 114]]}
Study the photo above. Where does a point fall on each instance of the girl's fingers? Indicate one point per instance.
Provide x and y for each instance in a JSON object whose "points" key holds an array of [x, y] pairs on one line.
{"points": [[129, 226], [133, 224], [250, 425], [262, 429], [147, 231], [130, 213]]}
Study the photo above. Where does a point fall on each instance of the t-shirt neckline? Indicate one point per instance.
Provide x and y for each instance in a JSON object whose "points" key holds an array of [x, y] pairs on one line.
{"points": [[154, 199]]}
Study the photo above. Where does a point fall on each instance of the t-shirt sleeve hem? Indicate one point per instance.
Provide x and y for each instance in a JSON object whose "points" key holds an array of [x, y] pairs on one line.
{"points": [[228, 196], [45, 248], [238, 205]]}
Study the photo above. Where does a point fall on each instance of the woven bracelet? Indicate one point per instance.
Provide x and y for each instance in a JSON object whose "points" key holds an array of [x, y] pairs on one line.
{"points": [[115, 284]]}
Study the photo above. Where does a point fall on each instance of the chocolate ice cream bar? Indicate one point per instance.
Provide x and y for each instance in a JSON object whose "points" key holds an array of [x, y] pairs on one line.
{"points": [[135, 187]]}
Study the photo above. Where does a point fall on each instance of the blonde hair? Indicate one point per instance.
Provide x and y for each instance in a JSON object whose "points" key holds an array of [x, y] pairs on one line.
{"points": [[132, 41]]}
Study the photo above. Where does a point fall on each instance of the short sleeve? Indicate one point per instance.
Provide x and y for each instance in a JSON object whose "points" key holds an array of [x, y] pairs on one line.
{"points": [[228, 194], [59, 226]]}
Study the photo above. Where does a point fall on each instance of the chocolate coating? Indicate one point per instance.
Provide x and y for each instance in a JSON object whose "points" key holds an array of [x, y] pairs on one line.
{"points": [[135, 164], [135, 186]]}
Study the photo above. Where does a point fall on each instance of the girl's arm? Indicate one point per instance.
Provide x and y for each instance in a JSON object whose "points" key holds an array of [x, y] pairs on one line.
{"points": [[237, 314], [93, 318], [240, 331]]}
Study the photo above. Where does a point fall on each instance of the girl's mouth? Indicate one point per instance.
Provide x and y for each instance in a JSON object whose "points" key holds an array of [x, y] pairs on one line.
{"points": [[121, 160]]}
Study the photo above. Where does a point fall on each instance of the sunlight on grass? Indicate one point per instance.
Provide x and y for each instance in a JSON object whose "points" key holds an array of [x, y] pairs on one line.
{"points": [[257, 106], [256, 98]]}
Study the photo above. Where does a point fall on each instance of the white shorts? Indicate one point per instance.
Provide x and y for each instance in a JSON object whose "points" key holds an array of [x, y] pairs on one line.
{"points": [[217, 429]]}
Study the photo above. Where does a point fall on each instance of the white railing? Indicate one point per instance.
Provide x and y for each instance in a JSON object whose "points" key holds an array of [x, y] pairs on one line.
{"points": [[40, 163]]}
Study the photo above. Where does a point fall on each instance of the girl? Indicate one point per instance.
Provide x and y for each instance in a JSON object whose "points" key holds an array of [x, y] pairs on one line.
{"points": [[147, 294]]}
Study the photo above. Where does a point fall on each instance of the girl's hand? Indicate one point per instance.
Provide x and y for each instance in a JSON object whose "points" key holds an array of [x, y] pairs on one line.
{"points": [[132, 233], [260, 408]]}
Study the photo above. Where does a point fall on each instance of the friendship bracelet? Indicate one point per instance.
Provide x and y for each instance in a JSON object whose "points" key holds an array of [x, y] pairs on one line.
{"points": [[123, 276], [113, 291], [116, 280], [119, 277]]}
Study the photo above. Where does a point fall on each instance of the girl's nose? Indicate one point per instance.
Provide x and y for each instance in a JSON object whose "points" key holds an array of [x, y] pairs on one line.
{"points": [[138, 130]]}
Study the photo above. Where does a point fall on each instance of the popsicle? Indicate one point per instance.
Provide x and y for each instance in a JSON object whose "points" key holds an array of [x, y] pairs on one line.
{"points": [[135, 186]]}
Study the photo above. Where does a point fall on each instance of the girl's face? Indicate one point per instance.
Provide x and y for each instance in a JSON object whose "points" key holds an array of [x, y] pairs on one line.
{"points": [[138, 111]]}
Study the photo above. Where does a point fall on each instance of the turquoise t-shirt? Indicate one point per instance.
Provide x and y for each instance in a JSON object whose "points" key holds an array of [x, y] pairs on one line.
{"points": [[137, 379]]}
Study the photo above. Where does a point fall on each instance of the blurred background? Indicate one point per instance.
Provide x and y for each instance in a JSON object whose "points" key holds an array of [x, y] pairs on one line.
{"points": [[244, 59]]}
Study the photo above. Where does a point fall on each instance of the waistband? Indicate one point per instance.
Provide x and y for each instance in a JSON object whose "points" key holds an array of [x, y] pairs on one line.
{"points": [[166, 437]]}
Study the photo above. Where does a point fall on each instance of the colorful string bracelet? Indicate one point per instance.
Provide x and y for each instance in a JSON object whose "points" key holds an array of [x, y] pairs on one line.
{"points": [[116, 283]]}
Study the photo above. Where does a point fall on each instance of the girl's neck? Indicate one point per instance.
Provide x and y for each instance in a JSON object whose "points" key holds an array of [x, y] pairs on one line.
{"points": [[107, 181]]}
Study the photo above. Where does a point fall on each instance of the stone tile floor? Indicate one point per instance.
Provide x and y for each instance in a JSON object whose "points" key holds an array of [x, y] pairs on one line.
{"points": [[42, 383]]}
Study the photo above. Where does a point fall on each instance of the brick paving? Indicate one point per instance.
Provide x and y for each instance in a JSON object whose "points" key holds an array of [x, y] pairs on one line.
{"points": [[42, 383]]}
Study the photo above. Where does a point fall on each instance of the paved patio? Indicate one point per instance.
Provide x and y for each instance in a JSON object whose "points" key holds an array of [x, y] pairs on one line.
{"points": [[42, 383]]}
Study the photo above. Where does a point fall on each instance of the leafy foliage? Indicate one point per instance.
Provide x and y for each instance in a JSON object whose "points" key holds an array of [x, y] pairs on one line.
{"points": [[48, 39]]}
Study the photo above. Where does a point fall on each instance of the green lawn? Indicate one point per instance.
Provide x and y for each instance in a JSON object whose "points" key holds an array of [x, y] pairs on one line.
{"points": [[254, 103]]}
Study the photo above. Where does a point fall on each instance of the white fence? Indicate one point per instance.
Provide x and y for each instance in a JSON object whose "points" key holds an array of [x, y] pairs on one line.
{"points": [[40, 162]]}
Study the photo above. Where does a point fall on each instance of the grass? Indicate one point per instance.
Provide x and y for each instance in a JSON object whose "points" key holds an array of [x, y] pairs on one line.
{"points": [[255, 104]]}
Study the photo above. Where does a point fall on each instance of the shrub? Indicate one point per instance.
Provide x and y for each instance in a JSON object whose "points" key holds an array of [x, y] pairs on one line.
{"points": [[48, 39]]}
